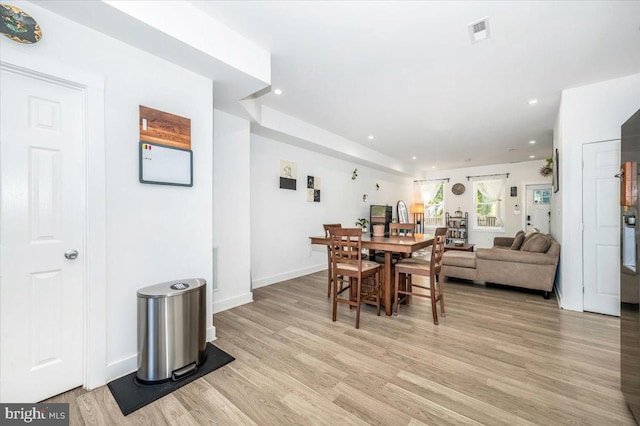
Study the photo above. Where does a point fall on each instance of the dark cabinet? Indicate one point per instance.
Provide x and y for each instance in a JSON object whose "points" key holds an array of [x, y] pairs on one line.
{"points": [[380, 215]]}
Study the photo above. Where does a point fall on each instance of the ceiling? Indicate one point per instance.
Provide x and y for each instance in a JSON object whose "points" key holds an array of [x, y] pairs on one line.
{"points": [[408, 74]]}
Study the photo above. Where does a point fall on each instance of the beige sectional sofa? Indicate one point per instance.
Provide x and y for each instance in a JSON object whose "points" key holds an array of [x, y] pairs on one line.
{"points": [[523, 261]]}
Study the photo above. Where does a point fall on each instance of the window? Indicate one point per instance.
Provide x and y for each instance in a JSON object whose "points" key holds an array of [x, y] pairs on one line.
{"points": [[488, 202], [541, 196], [432, 194]]}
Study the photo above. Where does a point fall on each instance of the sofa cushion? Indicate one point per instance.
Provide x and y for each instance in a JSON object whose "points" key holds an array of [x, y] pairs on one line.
{"points": [[530, 233], [463, 259], [517, 241], [536, 243], [514, 256]]}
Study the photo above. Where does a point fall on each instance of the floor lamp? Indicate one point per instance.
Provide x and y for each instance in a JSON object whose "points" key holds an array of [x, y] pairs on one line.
{"points": [[418, 217]]}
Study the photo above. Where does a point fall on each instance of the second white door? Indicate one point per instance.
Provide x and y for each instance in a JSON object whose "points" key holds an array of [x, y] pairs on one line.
{"points": [[538, 207], [601, 221]]}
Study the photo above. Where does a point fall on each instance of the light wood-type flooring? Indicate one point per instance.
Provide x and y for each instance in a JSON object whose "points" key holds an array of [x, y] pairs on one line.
{"points": [[499, 357]]}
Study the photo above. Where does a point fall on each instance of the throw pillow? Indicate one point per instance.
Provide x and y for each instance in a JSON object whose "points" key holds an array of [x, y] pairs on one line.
{"points": [[517, 241], [530, 233], [536, 243]]}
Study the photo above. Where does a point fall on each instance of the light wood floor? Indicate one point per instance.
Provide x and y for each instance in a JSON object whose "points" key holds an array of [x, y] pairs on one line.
{"points": [[500, 357]]}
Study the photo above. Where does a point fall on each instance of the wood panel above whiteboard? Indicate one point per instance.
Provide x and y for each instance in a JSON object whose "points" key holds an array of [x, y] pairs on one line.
{"points": [[164, 128]]}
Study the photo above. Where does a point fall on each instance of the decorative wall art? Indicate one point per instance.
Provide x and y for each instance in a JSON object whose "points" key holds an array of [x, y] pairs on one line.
{"points": [[556, 172], [18, 25], [165, 148], [313, 189], [288, 174], [162, 127]]}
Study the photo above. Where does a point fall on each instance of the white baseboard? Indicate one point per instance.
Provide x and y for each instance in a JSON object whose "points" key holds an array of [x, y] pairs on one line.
{"points": [[262, 282], [121, 367], [223, 305], [558, 296], [211, 333]]}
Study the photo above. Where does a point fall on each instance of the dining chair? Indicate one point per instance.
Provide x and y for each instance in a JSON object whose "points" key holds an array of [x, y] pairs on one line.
{"points": [[348, 265], [407, 268], [401, 229], [327, 227]]}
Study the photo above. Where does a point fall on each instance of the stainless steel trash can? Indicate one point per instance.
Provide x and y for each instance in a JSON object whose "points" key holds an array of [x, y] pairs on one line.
{"points": [[171, 329]]}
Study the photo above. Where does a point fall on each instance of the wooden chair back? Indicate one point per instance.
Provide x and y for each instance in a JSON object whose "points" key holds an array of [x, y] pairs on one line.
{"points": [[347, 246], [401, 229], [327, 228], [437, 251]]}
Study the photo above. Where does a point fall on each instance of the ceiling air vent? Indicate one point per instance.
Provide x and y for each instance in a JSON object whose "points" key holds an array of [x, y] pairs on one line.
{"points": [[479, 30]]}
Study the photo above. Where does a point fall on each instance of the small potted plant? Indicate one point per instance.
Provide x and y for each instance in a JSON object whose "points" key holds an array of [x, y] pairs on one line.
{"points": [[362, 223], [547, 169]]}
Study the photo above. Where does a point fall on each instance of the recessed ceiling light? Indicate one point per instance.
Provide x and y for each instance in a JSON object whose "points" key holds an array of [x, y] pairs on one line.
{"points": [[433, 167], [532, 142], [533, 101], [278, 92], [414, 157], [370, 137], [532, 156]]}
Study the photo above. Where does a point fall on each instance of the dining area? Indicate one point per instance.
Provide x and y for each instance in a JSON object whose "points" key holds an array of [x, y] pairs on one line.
{"points": [[381, 269]]}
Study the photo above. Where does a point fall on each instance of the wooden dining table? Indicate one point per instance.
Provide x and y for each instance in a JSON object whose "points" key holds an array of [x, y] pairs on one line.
{"points": [[388, 245]]}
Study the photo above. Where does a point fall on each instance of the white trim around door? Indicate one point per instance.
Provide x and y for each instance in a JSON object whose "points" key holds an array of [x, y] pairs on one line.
{"points": [[92, 86]]}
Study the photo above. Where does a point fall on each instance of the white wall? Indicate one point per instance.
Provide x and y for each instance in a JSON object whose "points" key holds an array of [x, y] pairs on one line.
{"points": [[588, 114], [556, 204], [231, 205], [282, 220], [520, 174], [154, 233]]}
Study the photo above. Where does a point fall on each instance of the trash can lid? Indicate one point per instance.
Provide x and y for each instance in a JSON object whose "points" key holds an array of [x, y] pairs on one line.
{"points": [[172, 288]]}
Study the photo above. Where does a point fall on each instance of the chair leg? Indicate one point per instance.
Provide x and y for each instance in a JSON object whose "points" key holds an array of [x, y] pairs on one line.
{"points": [[335, 302], [329, 273], [358, 302], [377, 284], [441, 287], [434, 310], [434, 305], [395, 294]]}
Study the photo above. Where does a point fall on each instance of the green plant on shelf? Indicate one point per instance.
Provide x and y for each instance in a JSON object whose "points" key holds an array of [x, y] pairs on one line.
{"points": [[362, 222]]}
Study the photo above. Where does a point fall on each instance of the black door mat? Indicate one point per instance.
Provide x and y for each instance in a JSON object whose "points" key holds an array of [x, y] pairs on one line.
{"points": [[132, 395]]}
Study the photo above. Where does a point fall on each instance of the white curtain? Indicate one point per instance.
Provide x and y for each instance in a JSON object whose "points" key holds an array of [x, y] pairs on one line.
{"points": [[493, 190], [426, 191]]}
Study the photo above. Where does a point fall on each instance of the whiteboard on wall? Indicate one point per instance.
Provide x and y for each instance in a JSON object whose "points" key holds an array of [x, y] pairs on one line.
{"points": [[165, 165]]}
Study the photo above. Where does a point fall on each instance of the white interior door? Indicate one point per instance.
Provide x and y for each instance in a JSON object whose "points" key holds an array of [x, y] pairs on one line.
{"points": [[538, 205], [601, 221], [41, 218]]}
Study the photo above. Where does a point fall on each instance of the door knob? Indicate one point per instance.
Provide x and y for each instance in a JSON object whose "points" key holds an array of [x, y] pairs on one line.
{"points": [[71, 254]]}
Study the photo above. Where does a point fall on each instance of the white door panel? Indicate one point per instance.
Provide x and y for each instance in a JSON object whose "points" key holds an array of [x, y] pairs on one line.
{"points": [[601, 236], [41, 217]]}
